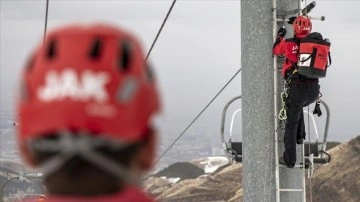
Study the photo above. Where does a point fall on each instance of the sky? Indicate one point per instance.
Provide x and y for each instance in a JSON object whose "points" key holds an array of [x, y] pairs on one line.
{"points": [[197, 53]]}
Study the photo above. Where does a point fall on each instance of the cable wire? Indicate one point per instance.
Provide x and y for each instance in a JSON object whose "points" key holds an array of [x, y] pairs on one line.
{"points": [[309, 132], [161, 27], [46, 19], [193, 121]]}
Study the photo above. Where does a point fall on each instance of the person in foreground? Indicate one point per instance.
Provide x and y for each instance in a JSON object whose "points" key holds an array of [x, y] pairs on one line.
{"points": [[302, 90], [86, 103]]}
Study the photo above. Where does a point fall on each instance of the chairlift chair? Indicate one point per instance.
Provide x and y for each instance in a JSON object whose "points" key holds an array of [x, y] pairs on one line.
{"points": [[232, 150], [315, 152]]}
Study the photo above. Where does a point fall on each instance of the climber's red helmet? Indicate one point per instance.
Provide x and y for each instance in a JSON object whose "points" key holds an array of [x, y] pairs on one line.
{"points": [[87, 79], [302, 26]]}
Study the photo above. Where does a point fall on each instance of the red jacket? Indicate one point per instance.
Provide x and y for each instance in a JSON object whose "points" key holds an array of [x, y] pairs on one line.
{"points": [[289, 48], [131, 194]]}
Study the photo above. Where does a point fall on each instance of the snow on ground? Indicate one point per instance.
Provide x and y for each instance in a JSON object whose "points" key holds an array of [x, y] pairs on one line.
{"points": [[211, 164], [171, 180]]}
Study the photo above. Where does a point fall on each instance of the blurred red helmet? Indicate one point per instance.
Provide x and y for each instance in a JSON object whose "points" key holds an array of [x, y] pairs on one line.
{"points": [[302, 26], [91, 79]]}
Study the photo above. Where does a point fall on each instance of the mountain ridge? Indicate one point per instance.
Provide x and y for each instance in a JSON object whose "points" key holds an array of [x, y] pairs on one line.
{"points": [[336, 181]]}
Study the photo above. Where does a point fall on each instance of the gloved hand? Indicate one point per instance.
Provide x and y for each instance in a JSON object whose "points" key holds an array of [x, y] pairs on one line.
{"points": [[281, 32], [291, 20], [317, 109]]}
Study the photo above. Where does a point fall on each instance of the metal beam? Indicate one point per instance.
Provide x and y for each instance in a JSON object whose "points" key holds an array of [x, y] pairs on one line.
{"points": [[257, 101], [289, 178], [259, 83]]}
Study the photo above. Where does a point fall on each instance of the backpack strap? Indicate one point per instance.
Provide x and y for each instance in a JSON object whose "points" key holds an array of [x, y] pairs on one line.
{"points": [[329, 61], [312, 54]]}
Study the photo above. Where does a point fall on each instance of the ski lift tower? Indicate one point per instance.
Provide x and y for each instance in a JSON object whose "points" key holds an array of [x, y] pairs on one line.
{"points": [[260, 98]]}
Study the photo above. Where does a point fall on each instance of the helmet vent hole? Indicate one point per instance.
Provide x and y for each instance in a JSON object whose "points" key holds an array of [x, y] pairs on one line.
{"points": [[95, 49], [124, 57], [51, 50]]}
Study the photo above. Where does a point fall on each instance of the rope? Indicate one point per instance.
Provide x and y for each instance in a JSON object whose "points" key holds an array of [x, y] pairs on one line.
{"points": [[309, 132], [193, 121], [162, 26], [282, 114], [46, 19]]}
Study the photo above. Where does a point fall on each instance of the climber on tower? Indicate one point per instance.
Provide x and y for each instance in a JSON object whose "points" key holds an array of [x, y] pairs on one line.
{"points": [[302, 90]]}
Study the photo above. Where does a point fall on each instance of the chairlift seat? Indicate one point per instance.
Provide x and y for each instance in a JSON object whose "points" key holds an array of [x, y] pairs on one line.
{"points": [[235, 151], [311, 148], [238, 158], [321, 160], [317, 160], [237, 146]]}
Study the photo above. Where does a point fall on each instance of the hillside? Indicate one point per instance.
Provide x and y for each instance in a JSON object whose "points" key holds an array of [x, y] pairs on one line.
{"points": [[337, 181], [340, 179], [12, 187]]}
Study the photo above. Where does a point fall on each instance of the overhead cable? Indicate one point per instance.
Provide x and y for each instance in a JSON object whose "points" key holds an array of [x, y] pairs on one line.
{"points": [[46, 18], [193, 121], [162, 26]]}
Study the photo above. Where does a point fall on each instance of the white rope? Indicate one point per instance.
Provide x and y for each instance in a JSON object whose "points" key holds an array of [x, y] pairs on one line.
{"points": [[309, 132], [282, 114]]}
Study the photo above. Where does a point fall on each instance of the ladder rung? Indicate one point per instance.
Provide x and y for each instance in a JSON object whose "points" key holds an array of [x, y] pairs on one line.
{"points": [[291, 190], [296, 166]]}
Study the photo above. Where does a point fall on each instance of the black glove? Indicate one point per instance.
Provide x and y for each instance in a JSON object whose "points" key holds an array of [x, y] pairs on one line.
{"points": [[281, 32], [291, 20], [317, 109]]}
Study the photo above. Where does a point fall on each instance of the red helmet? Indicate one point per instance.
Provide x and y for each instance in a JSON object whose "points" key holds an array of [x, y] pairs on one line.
{"points": [[302, 26], [91, 79]]}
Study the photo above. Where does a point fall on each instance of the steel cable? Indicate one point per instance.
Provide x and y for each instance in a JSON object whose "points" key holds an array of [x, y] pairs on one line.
{"points": [[161, 27], [46, 19], [193, 121]]}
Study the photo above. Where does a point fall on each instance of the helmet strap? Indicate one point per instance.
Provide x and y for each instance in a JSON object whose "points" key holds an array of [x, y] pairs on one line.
{"points": [[83, 146]]}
